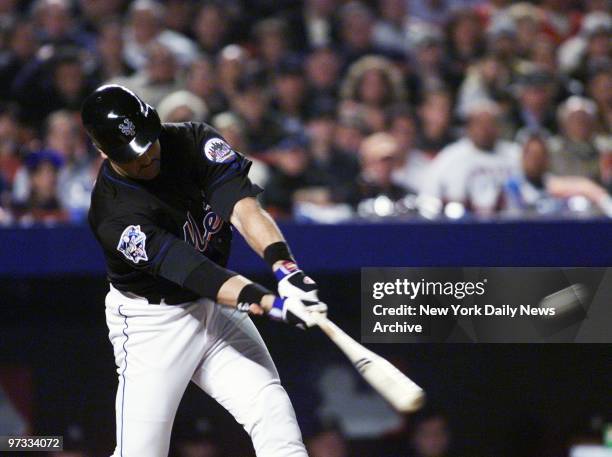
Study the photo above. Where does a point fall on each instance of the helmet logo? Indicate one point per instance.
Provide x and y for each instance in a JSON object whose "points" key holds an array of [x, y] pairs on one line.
{"points": [[127, 127]]}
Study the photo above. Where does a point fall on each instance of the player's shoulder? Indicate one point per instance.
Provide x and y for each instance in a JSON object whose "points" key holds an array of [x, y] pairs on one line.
{"points": [[195, 130], [197, 138], [112, 196]]}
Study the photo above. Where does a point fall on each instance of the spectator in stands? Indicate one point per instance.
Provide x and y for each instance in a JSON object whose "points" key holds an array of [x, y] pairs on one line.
{"points": [[433, 12], [58, 77], [543, 54], [289, 89], [371, 85], [589, 197], [391, 29], [502, 40], [77, 175], [598, 48], [536, 189], [8, 9], [592, 49], [557, 21], [9, 145], [55, 24], [605, 148], [179, 14], [349, 133], [534, 96], [322, 69], [272, 41], [21, 46], [111, 61], [342, 165], [295, 178], [600, 90], [574, 151], [429, 66], [448, 55], [146, 26], [473, 170], [414, 163], [211, 28], [202, 80], [95, 12], [42, 202], [527, 189], [263, 128], [5, 216], [488, 79], [356, 32], [435, 117], [315, 25], [232, 63], [159, 77], [374, 82], [527, 19], [430, 435], [465, 41], [182, 106], [379, 156]]}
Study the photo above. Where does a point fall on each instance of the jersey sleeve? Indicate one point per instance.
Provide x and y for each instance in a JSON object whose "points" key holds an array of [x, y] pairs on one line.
{"points": [[147, 247], [142, 244], [223, 172]]}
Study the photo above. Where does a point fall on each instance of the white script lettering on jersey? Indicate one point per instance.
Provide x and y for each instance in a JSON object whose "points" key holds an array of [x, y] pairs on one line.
{"points": [[218, 151], [211, 224], [132, 244]]}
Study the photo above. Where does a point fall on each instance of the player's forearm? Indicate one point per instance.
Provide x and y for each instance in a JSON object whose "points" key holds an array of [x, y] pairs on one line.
{"points": [[230, 291], [255, 225]]}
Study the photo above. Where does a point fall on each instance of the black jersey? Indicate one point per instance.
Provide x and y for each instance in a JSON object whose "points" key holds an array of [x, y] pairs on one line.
{"points": [[184, 210]]}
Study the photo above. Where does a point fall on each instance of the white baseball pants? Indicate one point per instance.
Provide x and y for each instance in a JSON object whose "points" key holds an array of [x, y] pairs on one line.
{"points": [[160, 348]]}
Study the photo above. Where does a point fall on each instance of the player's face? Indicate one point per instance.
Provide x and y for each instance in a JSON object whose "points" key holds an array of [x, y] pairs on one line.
{"points": [[146, 166]]}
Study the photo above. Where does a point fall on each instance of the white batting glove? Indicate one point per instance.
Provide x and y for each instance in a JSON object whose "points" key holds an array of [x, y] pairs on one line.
{"points": [[298, 312], [292, 282]]}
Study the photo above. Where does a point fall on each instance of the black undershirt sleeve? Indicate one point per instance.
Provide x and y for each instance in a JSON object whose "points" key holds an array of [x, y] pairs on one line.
{"points": [[191, 270], [227, 195]]}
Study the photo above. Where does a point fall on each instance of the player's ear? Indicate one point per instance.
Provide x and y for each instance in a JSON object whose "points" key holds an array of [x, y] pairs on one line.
{"points": [[104, 156]]}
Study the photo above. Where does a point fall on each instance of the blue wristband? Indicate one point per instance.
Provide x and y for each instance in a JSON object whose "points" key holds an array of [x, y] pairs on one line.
{"points": [[286, 269], [276, 312]]}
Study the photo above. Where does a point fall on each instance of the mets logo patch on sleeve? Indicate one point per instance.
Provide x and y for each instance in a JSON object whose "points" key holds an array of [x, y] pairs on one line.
{"points": [[218, 151], [132, 244]]}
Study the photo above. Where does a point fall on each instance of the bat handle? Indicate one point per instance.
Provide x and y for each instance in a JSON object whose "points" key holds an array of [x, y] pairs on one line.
{"points": [[328, 327]]}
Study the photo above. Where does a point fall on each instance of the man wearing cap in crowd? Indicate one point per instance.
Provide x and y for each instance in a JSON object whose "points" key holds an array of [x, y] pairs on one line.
{"points": [[473, 170]]}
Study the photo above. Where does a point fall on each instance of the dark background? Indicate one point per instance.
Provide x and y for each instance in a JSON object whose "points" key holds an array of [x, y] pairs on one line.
{"points": [[502, 400]]}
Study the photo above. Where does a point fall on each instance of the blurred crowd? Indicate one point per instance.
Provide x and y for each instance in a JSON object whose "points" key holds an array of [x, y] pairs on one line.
{"points": [[380, 108]]}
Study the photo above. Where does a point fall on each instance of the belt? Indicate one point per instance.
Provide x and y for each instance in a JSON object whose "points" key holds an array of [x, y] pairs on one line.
{"points": [[175, 299], [183, 296]]}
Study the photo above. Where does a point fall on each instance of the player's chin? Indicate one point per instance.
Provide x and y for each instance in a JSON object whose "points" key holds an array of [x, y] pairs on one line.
{"points": [[149, 172]]}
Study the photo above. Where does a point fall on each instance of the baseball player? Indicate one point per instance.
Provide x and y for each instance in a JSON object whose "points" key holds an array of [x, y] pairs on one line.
{"points": [[163, 208]]}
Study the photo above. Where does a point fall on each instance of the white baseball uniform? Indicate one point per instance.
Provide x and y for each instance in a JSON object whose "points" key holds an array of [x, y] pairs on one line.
{"points": [[160, 348]]}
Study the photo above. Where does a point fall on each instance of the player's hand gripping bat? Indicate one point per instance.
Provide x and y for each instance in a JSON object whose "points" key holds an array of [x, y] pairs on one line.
{"points": [[395, 387]]}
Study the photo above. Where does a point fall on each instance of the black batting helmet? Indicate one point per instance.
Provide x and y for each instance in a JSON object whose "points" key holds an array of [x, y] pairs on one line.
{"points": [[120, 124]]}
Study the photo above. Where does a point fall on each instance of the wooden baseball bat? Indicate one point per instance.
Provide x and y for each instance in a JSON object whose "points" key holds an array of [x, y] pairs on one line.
{"points": [[395, 387]]}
